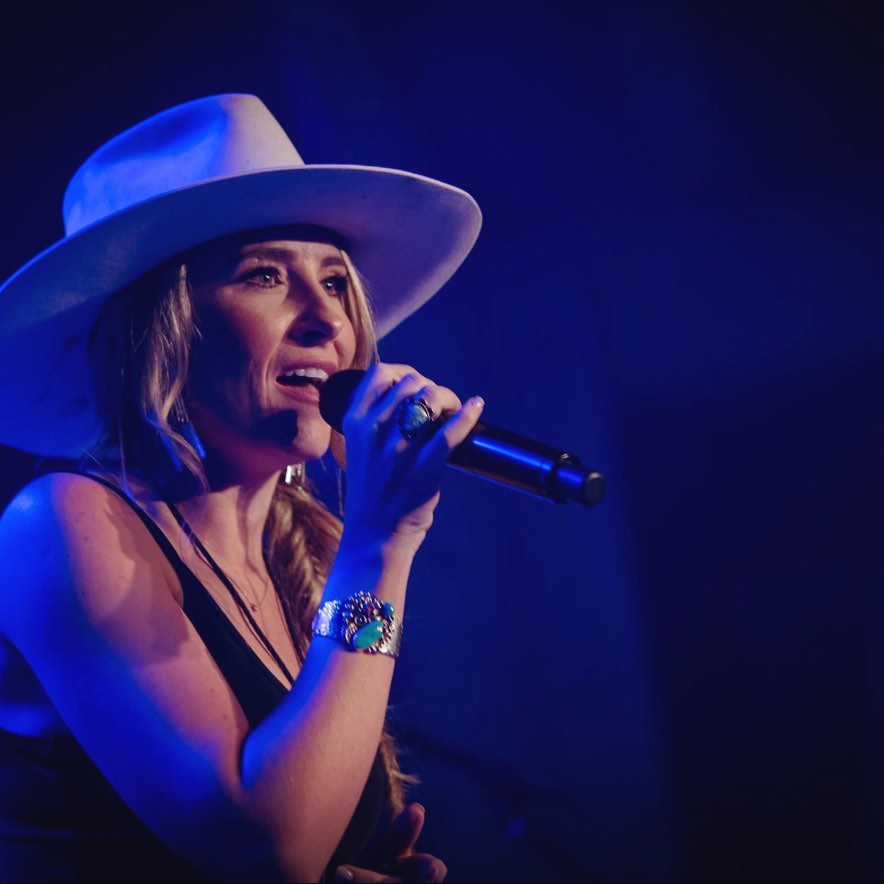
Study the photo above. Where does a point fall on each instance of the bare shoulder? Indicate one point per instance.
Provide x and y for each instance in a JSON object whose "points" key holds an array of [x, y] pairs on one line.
{"points": [[57, 497], [66, 508], [49, 509], [66, 533]]}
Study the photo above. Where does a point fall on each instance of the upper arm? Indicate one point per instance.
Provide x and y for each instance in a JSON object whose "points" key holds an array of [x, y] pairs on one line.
{"points": [[89, 602]]}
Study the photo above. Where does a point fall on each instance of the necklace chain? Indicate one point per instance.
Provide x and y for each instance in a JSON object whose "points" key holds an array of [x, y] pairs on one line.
{"points": [[231, 588], [257, 603]]}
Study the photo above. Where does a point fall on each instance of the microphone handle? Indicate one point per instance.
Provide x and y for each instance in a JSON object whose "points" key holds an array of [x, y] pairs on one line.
{"points": [[525, 465], [492, 453]]}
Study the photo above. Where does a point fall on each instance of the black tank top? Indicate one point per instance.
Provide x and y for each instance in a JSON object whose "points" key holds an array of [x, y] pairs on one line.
{"points": [[61, 820]]}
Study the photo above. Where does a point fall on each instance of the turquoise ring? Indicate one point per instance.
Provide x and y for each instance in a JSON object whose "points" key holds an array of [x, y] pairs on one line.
{"points": [[413, 417]]}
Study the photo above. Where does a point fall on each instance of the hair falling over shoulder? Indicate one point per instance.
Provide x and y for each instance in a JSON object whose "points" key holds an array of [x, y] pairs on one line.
{"points": [[140, 348]]}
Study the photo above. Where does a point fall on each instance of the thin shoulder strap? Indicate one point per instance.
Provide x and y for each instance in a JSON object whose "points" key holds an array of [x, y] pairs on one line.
{"points": [[224, 641], [237, 598], [162, 541], [183, 572]]}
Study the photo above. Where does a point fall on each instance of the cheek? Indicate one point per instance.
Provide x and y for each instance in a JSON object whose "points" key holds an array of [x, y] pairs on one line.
{"points": [[347, 342], [230, 338], [231, 351]]}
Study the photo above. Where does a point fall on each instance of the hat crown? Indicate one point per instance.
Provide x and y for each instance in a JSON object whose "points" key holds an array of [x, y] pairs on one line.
{"points": [[209, 138]]}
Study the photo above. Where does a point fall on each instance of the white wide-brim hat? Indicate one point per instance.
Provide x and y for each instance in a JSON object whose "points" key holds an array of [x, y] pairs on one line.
{"points": [[188, 175]]}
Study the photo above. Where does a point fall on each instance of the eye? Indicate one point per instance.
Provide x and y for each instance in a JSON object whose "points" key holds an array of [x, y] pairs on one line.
{"points": [[336, 285], [265, 276]]}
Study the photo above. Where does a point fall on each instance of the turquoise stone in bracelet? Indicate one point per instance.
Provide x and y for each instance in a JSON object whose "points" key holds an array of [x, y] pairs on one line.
{"points": [[366, 636]]}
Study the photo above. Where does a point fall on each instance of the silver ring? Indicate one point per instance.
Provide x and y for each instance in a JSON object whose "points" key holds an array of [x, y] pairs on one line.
{"points": [[413, 417]]}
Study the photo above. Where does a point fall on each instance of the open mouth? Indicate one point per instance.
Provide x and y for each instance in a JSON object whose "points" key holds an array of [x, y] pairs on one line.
{"points": [[304, 377]]}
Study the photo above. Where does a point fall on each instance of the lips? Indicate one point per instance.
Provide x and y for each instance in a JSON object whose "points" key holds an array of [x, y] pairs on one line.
{"points": [[304, 382], [304, 376]]}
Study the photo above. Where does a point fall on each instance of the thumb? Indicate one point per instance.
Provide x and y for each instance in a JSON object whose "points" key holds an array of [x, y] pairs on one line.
{"points": [[395, 840], [406, 829], [358, 875]]}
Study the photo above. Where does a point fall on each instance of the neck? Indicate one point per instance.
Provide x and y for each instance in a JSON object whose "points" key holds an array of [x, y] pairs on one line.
{"points": [[230, 521]]}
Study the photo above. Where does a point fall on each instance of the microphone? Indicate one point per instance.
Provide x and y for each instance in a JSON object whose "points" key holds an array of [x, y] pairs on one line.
{"points": [[491, 453]]}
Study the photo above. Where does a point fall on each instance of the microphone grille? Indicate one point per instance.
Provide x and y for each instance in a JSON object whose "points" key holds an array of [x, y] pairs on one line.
{"points": [[335, 395]]}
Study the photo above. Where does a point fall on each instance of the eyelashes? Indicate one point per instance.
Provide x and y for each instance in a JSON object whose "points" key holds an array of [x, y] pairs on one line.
{"points": [[267, 276], [264, 277], [336, 285]]}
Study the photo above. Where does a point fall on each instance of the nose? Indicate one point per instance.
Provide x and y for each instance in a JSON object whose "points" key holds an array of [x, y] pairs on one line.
{"points": [[319, 319]]}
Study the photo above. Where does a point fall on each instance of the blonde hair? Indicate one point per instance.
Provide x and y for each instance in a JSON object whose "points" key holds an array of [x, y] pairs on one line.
{"points": [[141, 346]]}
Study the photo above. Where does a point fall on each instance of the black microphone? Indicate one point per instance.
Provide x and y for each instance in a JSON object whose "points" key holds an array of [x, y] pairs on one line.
{"points": [[491, 453]]}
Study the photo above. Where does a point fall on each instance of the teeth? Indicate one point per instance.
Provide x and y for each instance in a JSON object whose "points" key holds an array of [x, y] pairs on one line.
{"points": [[318, 374]]}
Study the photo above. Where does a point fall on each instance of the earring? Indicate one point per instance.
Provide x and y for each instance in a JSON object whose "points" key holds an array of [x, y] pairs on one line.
{"points": [[185, 427], [294, 474]]}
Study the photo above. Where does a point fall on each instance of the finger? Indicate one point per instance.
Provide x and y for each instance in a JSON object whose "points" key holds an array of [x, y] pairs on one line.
{"points": [[406, 829], [357, 874], [440, 400], [416, 415], [398, 839], [376, 382], [410, 384], [422, 867], [456, 428], [417, 422]]}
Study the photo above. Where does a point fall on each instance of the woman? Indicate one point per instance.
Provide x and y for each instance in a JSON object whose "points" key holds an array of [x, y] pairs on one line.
{"points": [[196, 659]]}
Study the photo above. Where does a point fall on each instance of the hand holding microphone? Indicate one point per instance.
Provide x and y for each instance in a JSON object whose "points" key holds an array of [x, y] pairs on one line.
{"points": [[488, 452]]}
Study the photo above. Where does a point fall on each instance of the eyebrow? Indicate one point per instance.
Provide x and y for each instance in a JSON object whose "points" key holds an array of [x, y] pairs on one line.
{"points": [[284, 254], [332, 261]]}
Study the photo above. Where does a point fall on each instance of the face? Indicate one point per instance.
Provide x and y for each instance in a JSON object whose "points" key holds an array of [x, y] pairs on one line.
{"points": [[273, 323]]}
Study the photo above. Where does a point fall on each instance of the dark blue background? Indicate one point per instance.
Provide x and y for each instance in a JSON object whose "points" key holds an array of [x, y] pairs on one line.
{"points": [[680, 279]]}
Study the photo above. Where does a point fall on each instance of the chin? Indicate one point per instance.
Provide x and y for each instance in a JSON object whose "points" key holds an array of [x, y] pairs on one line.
{"points": [[309, 444], [296, 437]]}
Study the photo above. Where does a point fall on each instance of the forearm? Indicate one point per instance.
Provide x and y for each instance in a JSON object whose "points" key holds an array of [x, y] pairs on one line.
{"points": [[306, 766]]}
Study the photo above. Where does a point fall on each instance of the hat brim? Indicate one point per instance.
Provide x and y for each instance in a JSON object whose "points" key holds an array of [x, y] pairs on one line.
{"points": [[406, 234]]}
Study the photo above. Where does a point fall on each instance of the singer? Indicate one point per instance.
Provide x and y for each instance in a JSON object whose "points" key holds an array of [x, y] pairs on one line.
{"points": [[196, 654]]}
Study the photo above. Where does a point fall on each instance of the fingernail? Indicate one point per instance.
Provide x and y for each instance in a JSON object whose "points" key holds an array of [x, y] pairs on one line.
{"points": [[434, 874], [477, 402], [345, 874]]}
